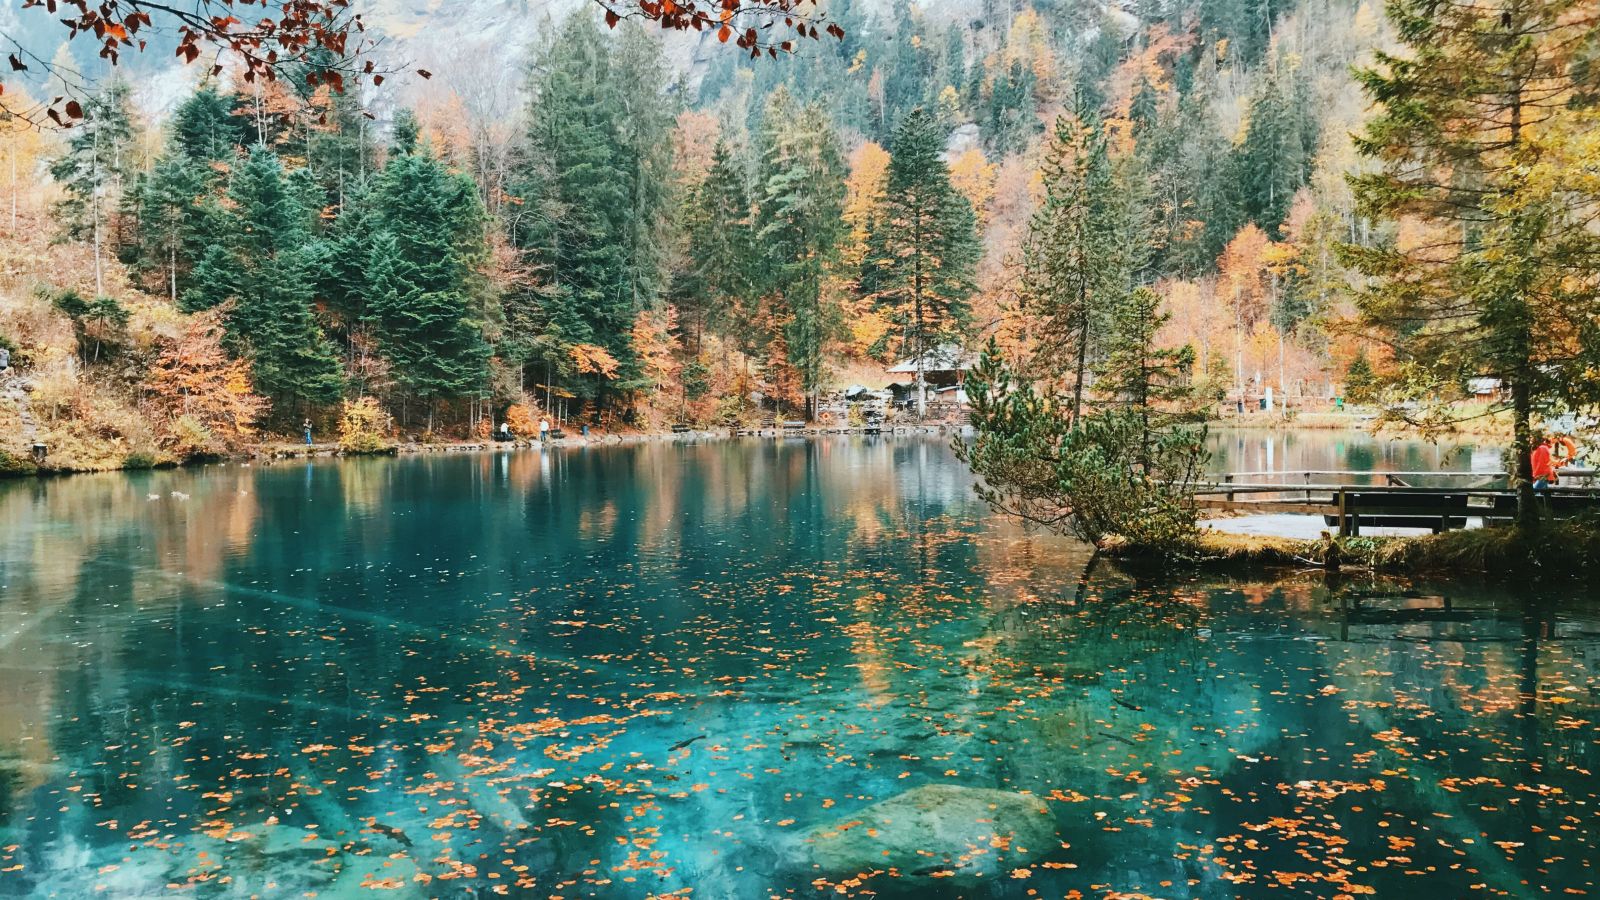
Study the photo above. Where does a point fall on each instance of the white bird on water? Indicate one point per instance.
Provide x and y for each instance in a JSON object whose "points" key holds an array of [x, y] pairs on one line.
{"points": [[179, 495], [152, 496]]}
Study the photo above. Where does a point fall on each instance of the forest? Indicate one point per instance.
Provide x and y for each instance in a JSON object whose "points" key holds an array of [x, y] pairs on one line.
{"points": [[628, 242]]}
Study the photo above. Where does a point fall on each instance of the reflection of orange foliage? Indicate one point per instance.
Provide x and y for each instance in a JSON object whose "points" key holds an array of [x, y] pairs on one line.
{"points": [[591, 359]]}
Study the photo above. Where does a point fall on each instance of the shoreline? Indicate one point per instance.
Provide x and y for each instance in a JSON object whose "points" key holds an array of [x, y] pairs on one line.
{"points": [[13, 468], [1367, 423]]}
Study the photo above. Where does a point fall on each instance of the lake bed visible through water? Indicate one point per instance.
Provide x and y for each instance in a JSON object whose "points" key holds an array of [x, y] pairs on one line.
{"points": [[746, 669]]}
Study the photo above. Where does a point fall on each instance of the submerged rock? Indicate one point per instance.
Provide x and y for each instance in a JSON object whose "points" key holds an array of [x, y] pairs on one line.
{"points": [[934, 831]]}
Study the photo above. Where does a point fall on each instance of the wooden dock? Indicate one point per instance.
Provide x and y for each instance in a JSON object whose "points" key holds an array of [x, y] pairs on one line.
{"points": [[1396, 503]]}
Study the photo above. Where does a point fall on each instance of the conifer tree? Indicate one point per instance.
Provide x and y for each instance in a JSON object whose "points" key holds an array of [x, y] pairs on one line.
{"points": [[1075, 267], [799, 227], [923, 251], [1479, 104], [428, 241], [204, 128], [98, 165], [176, 201], [1137, 373], [267, 269], [1274, 161], [593, 191], [719, 286]]}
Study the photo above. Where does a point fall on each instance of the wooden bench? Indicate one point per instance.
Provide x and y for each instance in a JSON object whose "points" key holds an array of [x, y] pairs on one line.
{"points": [[1393, 509], [794, 425], [680, 428]]}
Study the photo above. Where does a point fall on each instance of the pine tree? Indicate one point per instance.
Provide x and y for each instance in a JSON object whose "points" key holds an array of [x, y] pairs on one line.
{"points": [[204, 128], [923, 251], [267, 269], [1075, 264], [98, 164], [176, 201], [719, 286], [799, 227], [428, 241], [593, 191], [1151, 381], [1469, 135], [1274, 161]]}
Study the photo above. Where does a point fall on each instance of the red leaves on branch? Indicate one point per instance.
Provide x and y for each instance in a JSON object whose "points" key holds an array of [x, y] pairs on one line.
{"points": [[284, 34], [699, 15]]}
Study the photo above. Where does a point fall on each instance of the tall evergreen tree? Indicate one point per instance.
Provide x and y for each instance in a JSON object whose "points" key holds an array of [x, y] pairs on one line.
{"points": [[1138, 374], [719, 286], [593, 188], [177, 200], [267, 268], [98, 165], [427, 244], [204, 128], [799, 227], [1274, 161], [1075, 268], [923, 251]]}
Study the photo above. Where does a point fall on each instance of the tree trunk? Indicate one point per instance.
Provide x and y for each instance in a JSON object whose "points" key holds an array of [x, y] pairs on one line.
{"points": [[1083, 368], [1522, 452]]}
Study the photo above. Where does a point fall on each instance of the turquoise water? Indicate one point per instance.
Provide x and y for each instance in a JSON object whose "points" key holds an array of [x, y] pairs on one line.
{"points": [[711, 670]]}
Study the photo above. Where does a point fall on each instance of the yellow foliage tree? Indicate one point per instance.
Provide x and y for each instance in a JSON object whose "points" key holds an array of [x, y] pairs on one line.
{"points": [[364, 427], [974, 176]]}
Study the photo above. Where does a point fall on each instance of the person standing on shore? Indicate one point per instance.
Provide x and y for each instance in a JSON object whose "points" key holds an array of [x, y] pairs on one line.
{"points": [[306, 427], [1543, 470], [544, 430]]}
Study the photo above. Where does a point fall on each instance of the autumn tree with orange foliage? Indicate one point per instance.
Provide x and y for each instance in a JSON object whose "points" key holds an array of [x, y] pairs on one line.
{"points": [[201, 394]]}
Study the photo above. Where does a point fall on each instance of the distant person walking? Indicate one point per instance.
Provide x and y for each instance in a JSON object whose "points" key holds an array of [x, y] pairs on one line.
{"points": [[306, 427], [505, 431], [544, 430], [1544, 470]]}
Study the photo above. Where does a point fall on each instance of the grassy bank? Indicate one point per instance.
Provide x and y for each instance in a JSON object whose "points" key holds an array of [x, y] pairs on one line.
{"points": [[1553, 550]]}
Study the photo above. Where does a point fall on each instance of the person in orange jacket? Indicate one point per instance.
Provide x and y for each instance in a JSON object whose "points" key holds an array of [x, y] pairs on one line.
{"points": [[1544, 470]]}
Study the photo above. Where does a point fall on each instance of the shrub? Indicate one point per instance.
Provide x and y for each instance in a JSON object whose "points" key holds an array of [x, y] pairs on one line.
{"points": [[364, 427], [139, 460], [731, 410], [191, 439], [523, 422], [13, 465]]}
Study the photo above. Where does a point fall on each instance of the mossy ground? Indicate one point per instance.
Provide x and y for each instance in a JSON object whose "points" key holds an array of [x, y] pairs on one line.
{"points": [[1549, 550]]}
